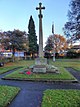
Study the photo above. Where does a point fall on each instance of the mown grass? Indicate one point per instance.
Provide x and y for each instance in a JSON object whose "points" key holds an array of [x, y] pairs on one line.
{"points": [[6, 69], [11, 65], [7, 93], [63, 75], [21, 63], [73, 63], [61, 98], [60, 63]]}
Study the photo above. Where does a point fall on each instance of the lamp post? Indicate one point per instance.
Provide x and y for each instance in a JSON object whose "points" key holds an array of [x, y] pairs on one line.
{"points": [[53, 39]]}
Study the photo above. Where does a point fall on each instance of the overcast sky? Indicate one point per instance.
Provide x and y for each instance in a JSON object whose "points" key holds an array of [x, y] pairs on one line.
{"points": [[15, 14]]}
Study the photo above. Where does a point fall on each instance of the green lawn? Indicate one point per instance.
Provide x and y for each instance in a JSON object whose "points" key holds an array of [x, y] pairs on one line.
{"points": [[51, 98], [63, 75], [74, 63], [6, 69], [7, 93], [60, 63], [77, 68], [61, 98], [11, 65], [21, 63]]}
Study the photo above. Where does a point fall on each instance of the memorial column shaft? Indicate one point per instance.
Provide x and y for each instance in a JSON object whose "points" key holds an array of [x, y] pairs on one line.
{"points": [[40, 31], [40, 38]]}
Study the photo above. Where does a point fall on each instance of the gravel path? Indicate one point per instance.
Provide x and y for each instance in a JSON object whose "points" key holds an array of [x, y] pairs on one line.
{"points": [[31, 92]]}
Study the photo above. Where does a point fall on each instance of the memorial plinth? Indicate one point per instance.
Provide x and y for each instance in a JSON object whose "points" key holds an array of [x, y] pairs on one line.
{"points": [[40, 65], [39, 69]]}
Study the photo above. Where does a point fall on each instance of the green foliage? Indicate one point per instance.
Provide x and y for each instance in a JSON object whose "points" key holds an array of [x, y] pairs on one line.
{"points": [[7, 93], [14, 39], [61, 98], [17, 39], [33, 47], [49, 44]]}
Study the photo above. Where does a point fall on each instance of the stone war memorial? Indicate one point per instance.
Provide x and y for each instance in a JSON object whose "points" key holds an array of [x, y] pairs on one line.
{"points": [[41, 65], [41, 61]]}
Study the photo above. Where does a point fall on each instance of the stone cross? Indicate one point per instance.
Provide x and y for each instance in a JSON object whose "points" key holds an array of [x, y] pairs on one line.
{"points": [[40, 30]]}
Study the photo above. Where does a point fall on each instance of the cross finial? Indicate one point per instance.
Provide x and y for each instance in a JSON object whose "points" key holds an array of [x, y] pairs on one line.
{"points": [[40, 8]]}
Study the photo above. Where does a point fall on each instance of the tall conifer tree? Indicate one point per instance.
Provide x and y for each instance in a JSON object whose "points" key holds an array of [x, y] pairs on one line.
{"points": [[33, 47]]}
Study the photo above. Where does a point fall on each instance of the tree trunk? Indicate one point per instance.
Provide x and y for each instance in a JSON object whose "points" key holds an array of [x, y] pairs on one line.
{"points": [[13, 55]]}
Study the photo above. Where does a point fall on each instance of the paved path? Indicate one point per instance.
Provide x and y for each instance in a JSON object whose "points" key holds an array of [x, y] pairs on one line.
{"points": [[31, 92], [76, 74]]}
